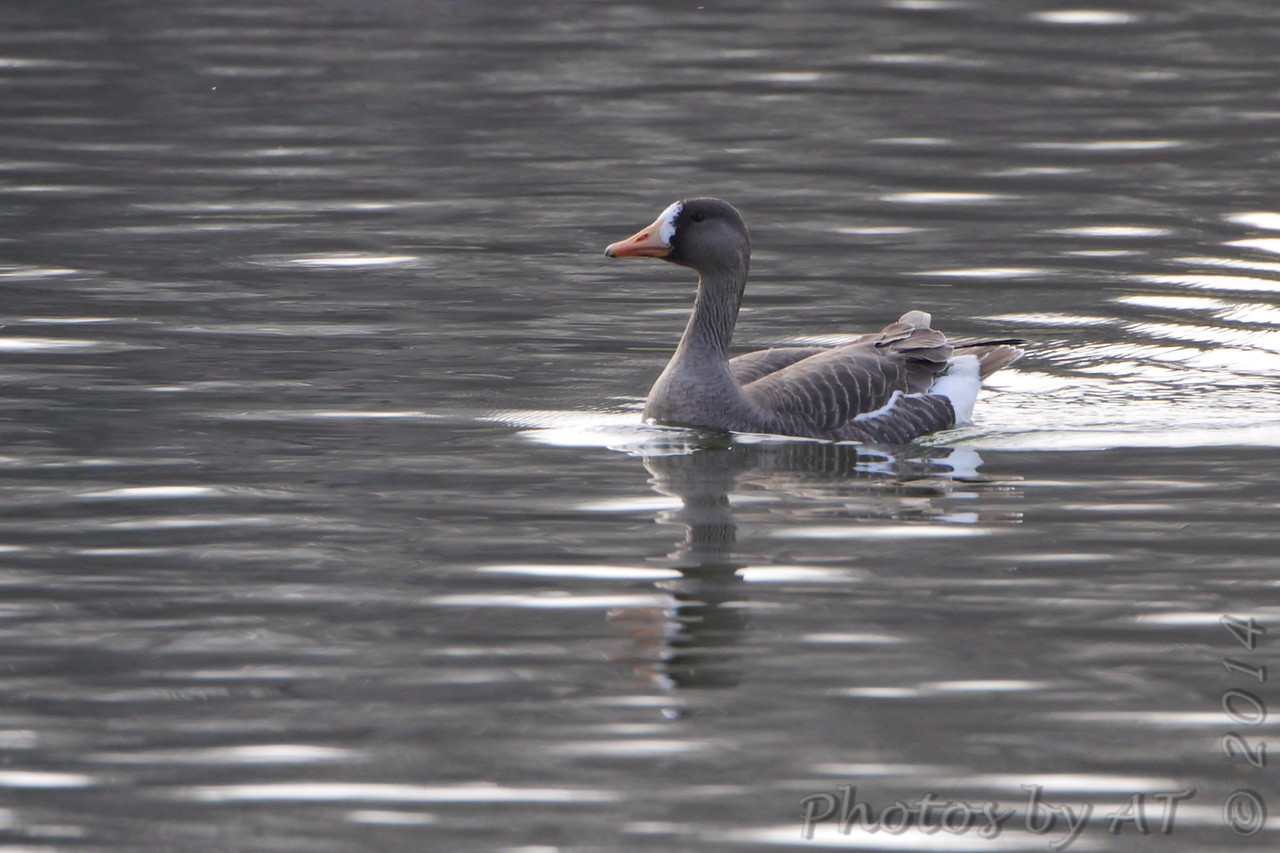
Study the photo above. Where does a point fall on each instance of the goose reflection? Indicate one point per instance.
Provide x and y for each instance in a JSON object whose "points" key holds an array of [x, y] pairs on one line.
{"points": [[696, 642]]}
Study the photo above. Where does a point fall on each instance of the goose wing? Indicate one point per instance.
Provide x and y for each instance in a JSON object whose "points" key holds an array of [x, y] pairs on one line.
{"points": [[753, 365], [749, 367], [821, 394]]}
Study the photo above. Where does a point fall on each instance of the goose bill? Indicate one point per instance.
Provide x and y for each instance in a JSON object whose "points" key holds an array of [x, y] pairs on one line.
{"points": [[645, 243]]}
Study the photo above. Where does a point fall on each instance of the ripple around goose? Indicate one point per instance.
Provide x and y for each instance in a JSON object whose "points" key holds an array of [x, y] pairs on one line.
{"points": [[890, 386]]}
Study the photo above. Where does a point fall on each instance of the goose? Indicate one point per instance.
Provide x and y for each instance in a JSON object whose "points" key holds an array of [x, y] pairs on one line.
{"points": [[888, 387]]}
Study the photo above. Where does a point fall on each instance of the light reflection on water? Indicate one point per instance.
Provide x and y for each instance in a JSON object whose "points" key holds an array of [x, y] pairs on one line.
{"points": [[330, 522]]}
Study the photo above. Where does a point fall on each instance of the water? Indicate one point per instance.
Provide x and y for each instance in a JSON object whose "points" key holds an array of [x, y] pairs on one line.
{"points": [[329, 522]]}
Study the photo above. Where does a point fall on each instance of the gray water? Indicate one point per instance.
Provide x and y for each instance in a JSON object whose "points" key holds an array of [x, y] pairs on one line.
{"points": [[329, 522]]}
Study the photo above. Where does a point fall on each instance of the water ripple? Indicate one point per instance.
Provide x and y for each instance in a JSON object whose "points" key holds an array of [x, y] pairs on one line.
{"points": [[1084, 17], [586, 572], [337, 792], [1262, 244], [1265, 220], [277, 753], [1244, 284], [946, 198]]}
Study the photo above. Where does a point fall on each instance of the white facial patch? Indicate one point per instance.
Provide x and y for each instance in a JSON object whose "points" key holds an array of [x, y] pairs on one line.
{"points": [[668, 219]]}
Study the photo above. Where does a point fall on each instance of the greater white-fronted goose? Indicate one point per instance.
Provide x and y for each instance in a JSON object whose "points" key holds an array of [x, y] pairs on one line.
{"points": [[887, 387]]}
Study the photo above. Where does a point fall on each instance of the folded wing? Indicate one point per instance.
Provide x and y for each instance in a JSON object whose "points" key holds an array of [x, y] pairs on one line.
{"points": [[824, 393], [753, 365]]}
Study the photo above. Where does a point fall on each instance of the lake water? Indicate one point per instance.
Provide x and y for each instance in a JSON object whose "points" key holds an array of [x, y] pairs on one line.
{"points": [[329, 522]]}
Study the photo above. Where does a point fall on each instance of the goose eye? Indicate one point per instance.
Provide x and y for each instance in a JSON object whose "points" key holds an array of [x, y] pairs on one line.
{"points": [[697, 217]]}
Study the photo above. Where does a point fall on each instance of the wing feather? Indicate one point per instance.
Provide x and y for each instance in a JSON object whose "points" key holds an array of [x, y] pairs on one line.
{"points": [[753, 365], [844, 392], [822, 393]]}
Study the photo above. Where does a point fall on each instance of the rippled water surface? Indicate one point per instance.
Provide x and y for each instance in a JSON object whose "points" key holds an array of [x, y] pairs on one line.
{"points": [[329, 522]]}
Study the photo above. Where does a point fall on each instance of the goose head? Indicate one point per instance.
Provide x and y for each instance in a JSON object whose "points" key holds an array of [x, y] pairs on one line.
{"points": [[706, 234]]}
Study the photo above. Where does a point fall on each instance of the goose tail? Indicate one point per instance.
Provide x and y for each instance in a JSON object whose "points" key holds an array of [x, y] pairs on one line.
{"points": [[992, 355]]}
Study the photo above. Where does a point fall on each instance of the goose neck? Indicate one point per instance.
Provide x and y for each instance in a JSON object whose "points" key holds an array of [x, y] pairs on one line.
{"points": [[715, 311]]}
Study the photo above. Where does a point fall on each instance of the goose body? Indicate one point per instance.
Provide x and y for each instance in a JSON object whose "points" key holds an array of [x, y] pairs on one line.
{"points": [[890, 386]]}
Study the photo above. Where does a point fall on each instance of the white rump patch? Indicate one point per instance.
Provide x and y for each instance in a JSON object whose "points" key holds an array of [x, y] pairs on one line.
{"points": [[960, 385], [668, 219]]}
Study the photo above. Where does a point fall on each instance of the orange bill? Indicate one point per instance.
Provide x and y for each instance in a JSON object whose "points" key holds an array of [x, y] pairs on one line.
{"points": [[645, 243]]}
